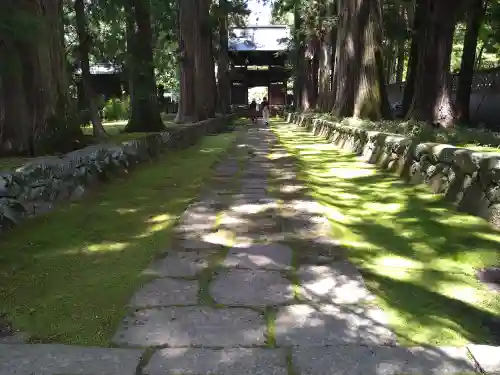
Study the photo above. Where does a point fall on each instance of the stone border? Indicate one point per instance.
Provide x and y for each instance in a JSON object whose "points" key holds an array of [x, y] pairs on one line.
{"points": [[33, 188], [468, 179]]}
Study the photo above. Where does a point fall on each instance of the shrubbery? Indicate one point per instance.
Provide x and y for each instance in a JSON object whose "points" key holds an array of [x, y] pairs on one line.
{"points": [[116, 109]]}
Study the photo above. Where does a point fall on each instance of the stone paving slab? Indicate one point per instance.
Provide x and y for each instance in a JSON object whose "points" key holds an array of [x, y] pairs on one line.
{"points": [[362, 360], [166, 292], [200, 242], [305, 325], [254, 288], [180, 264], [236, 361], [40, 359], [192, 326], [486, 357], [337, 283], [254, 208], [266, 256]]}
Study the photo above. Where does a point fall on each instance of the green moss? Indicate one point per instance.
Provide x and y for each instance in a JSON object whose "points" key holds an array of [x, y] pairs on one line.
{"points": [[270, 318], [8, 164], [67, 276], [417, 254]]}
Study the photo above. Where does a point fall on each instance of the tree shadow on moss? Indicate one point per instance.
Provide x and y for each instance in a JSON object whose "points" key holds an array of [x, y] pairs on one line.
{"points": [[67, 276], [406, 236]]}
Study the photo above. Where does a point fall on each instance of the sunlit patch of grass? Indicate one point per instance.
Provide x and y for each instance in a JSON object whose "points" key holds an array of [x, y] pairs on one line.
{"points": [[10, 163], [67, 276], [418, 255], [115, 130]]}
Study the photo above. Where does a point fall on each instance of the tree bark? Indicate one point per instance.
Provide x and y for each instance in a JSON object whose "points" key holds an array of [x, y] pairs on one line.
{"points": [[15, 122], [418, 19], [145, 116], [310, 87], [401, 60], [38, 115], [325, 67], [432, 86], [345, 60], [300, 63], [224, 85], [474, 18], [400, 47], [206, 91], [360, 90], [331, 94], [186, 111], [88, 98]]}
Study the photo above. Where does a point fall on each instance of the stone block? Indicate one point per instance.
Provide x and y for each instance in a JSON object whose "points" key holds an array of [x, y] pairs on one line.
{"points": [[193, 326], [486, 357], [234, 361], [68, 360], [254, 288], [338, 283], [166, 292], [323, 325], [362, 360], [179, 264], [264, 256]]}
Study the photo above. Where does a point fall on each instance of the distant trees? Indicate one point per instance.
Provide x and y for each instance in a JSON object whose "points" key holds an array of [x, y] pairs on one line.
{"points": [[361, 45]]}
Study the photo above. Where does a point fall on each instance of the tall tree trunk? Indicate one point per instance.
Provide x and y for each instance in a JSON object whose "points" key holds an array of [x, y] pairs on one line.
{"points": [[324, 56], [53, 127], [310, 88], [300, 63], [331, 93], [205, 94], [187, 46], [475, 16], [145, 116], [360, 90], [390, 62], [418, 19], [84, 50], [325, 67], [15, 121], [400, 47], [37, 115], [345, 60], [401, 60], [224, 89], [129, 61], [432, 88]]}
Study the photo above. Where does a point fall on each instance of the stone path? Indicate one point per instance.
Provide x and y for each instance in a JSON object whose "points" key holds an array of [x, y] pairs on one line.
{"points": [[252, 284]]}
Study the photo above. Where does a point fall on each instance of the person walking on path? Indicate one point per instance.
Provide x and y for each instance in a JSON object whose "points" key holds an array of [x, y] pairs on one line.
{"points": [[264, 107], [253, 111]]}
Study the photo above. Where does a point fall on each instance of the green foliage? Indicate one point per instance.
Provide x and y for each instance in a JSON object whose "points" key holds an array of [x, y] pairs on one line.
{"points": [[117, 109]]}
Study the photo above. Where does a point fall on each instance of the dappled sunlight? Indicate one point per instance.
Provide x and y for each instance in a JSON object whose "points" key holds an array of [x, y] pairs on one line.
{"points": [[390, 208], [92, 252], [348, 173], [420, 255], [124, 211], [152, 229], [160, 218], [105, 247], [392, 261]]}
